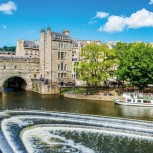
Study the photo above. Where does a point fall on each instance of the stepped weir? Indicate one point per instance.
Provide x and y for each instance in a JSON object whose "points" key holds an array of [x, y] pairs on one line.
{"points": [[40, 131]]}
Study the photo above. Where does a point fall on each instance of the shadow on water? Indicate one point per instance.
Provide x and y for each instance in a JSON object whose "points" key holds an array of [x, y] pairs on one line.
{"points": [[31, 100]]}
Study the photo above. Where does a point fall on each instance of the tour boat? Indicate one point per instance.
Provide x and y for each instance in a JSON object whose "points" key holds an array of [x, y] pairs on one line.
{"points": [[136, 99]]}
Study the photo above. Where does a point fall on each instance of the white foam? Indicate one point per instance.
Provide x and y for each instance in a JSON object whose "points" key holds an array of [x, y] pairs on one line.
{"points": [[45, 136], [107, 125]]}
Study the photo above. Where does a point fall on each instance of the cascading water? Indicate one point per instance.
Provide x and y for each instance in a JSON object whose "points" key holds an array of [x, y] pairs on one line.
{"points": [[54, 132]]}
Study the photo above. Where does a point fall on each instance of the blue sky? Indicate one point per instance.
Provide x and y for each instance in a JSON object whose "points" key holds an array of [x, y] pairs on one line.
{"points": [[107, 20]]}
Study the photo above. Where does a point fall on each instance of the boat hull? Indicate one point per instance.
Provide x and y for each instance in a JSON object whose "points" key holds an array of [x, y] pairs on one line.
{"points": [[119, 102]]}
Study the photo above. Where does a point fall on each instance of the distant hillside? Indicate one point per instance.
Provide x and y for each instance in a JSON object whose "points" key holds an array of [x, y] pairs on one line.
{"points": [[6, 48]]}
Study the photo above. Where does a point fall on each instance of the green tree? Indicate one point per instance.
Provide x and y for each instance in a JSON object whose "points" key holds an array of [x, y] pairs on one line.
{"points": [[96, 63], [135, 63], [5, 48]]}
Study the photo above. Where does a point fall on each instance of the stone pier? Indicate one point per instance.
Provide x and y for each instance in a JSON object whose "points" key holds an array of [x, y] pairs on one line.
{"points": [[44, 88]]}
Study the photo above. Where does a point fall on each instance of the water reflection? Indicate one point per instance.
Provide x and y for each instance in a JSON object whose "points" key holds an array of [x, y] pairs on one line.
{"points": [[30, 100], [130, 111]]}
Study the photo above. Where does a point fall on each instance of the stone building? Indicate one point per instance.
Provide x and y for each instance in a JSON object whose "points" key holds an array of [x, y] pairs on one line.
{"points": [[55, 56], [27, 48], [7, 53], [45, 67]]}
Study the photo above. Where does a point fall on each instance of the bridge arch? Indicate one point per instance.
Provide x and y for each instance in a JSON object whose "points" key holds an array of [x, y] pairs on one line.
{"points": [[15, 81]]}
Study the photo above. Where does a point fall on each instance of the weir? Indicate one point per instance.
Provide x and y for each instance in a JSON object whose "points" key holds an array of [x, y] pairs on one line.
{"points": [[35, 131]]}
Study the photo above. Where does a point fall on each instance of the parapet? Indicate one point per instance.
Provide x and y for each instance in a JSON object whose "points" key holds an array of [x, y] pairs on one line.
{"points": [[18, 59]]}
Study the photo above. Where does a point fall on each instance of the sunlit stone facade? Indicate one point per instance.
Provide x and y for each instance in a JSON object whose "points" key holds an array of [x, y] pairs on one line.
{"points": [[50, 63], [55, 56]]}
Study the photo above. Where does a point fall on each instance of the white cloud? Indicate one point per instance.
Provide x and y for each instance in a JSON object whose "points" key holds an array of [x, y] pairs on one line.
{"points": [[142, 18], [8, 8], [115, 23], [99, 15], [151, 2]]}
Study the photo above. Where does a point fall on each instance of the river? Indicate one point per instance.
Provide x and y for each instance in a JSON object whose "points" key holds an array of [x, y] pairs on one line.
{"points": [[31, 100], [32, 122]]}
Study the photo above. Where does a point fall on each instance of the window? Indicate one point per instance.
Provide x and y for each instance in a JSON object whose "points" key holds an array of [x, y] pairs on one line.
{"points": [[147, 101], [65, 67], [62, 66], [58, 66], [128, 100], [65, 75], [62, 55], [15, 67], [60, 45], [62, 75], [4, 66], [58, 55], [65, 55], [65, 45], [139, 101]]}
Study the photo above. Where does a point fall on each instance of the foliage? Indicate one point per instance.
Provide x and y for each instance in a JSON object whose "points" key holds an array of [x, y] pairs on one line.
{"points": [[5, 48], [96, 63], [83, 91], [135, 63]]}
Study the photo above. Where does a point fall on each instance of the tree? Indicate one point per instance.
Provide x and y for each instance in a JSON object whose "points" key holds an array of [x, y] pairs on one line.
{"points": [[135, 63], [5, 48], [96, 63]]}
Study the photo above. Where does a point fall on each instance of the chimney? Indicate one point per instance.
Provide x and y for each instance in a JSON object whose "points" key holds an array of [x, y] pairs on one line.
{"points": [[67, 32], [35, 42]]}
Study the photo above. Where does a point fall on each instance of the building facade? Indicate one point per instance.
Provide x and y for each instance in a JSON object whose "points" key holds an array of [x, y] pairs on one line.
{"points": [[55, 56], [44, 67], [26, 48]]}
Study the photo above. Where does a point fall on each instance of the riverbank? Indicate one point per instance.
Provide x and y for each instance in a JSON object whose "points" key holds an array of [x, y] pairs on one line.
{"points": [[91, 97]]}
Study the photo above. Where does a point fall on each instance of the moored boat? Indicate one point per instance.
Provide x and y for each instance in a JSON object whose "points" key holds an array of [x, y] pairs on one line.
{"points": [[136, 99]]}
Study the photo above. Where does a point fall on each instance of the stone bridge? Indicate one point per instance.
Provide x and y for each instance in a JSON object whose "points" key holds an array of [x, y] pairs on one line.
{"points": [[20, 68]]}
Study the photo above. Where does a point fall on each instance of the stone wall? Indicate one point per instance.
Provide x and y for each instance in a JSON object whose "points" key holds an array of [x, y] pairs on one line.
{"points": [[43, 88], [92, 97], [25, 68]]}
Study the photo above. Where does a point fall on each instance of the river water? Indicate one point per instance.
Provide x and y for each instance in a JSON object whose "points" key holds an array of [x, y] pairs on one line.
{"points": [[31, 100], [32, 123]]}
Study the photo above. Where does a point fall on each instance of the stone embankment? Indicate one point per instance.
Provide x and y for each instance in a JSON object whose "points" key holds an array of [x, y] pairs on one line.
{"points": [[92, 97]]}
